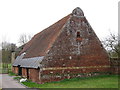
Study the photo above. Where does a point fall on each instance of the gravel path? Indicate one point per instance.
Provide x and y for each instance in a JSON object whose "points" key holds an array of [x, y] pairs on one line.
{"points": [[9, 82]]}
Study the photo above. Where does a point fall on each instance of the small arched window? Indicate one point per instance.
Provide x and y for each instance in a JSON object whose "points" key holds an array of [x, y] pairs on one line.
{"points": [[78, 37], [78, 34]]}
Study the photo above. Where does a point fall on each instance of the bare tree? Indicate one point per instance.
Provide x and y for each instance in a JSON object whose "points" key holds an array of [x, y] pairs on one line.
{"points": [[24, 38], [30, 37], [111, 44]]}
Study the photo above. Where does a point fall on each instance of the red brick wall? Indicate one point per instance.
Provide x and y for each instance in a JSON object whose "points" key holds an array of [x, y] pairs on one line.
{"points": [[34, 75], [68, 51], [56, 75], [15, 69], [24, 72]]}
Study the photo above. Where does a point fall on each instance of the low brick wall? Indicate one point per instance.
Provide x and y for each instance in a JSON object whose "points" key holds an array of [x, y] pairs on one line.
{"points": [[57, 74], [115, 65]]}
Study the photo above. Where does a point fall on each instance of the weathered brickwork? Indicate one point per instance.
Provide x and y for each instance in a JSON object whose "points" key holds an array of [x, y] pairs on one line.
{"points": [[34, 74], [72, 50], [24, 72], [15, 70], [56, 75], [76, 46]]}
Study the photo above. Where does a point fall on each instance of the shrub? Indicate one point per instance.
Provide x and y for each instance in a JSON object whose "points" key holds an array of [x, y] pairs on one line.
{"points": [[12, 74]]}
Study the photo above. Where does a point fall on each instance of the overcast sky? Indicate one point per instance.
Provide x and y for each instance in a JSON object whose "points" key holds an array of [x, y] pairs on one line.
{"points": [[32, 16]]}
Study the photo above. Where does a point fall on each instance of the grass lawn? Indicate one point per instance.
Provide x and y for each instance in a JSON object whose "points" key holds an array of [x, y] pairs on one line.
{"points": [[103, 81]]}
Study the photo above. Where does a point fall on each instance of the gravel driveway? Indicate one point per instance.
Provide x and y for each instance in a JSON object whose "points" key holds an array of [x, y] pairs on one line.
{"points": [[9, 82]]}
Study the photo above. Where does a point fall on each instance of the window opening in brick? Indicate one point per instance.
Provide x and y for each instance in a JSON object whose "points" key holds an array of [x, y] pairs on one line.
{"points": [[101, 45], [78, 37], [78, 34]]}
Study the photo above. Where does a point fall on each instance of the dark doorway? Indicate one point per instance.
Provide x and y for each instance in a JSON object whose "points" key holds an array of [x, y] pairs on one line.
{"points": [[19, 70], [27, 73]]}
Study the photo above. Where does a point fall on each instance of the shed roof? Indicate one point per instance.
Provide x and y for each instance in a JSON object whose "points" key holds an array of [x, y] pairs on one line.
{"points": [[18, 60], [28, 62], [31, 62]]}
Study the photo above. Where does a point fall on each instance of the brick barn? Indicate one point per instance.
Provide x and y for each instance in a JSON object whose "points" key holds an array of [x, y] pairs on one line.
{"points": [[68, 48]]}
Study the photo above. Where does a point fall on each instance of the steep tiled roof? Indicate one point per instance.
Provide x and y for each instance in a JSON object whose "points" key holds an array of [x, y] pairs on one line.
{"points": [[41, 42]]}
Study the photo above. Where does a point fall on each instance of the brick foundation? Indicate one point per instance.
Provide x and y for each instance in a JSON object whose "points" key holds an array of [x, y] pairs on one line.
{"points": [[57, 75]]}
